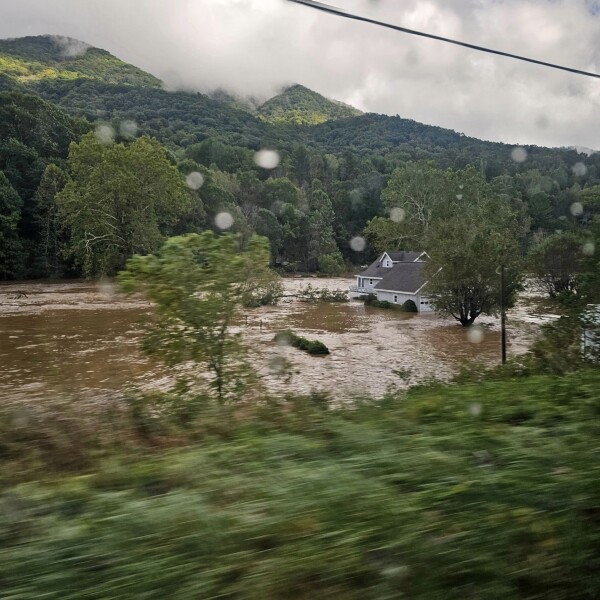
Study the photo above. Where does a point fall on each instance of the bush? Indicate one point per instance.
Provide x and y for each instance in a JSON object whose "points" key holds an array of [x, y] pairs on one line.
{"points": [[289, 338], [313, 294], [332, 264], [371, 300], [409, 306]]}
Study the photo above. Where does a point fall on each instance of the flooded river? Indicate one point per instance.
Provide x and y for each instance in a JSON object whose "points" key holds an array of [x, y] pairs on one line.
{"points": [[82, 338]]}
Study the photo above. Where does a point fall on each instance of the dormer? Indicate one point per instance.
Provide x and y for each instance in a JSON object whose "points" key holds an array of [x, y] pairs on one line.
{"points": [[386, 261]]}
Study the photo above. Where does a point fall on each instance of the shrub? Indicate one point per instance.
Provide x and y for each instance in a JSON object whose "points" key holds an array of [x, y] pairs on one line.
{"points": [[311, 346], [409, 306]]}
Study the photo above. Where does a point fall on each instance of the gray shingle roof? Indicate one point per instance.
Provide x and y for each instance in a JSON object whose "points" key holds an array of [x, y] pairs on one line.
{"points": [[376, 269], [403, 277], [404, 256]]}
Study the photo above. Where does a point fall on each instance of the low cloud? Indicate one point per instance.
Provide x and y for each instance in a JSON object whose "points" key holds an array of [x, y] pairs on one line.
{"points": [[253, 47]]}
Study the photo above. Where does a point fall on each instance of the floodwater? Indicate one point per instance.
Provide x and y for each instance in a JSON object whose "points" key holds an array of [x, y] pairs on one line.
{"points": [[82, 338]]}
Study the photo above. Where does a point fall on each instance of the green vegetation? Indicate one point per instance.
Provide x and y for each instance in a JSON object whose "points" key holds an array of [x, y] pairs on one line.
{"points": [[314, 294], [472, 491], [33, 59], [118, 201], [197, 282], [289, 338], [298, 105]]}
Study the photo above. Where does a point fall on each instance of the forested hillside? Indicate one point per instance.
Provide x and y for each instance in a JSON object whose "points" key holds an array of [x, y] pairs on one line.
{"points": [[300, 106], [324, 188]]}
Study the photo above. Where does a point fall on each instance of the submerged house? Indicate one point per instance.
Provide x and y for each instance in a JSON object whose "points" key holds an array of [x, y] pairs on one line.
{"points": [[396, 277]]}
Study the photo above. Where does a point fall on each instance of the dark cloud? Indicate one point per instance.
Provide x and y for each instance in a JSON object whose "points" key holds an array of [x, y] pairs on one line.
{"points": [[253, 47]]}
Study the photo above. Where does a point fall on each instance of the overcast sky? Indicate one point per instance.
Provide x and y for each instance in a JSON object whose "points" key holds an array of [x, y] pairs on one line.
{"points": [[254, 47]]}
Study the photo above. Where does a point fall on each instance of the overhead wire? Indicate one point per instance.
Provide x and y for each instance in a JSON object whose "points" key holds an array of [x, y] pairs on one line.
{"points": [[347, 15]]}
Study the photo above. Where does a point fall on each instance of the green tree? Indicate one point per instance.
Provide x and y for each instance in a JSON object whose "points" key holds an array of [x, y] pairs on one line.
{"points": [[555, 262], [197, 283], [49, 244], [473, 234], [10, 213], [120, 200]]}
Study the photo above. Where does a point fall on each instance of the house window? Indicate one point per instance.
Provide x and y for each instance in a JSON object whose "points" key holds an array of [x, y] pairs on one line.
{"points": [[396, 299], [370, 282], [387, 263]]}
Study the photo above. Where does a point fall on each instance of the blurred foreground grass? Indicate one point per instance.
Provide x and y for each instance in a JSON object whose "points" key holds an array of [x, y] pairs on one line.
{"points": [[462, 491]]}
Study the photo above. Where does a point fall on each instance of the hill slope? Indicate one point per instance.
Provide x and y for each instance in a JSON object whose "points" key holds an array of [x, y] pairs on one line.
{"points": [[30, 60], [300, 106]]}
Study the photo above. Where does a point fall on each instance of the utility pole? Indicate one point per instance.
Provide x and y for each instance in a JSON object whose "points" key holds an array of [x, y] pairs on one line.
{"points": [[502, 314]]}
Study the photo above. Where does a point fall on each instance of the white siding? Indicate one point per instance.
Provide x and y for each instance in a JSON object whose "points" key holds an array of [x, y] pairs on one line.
{"points": [[396, 297]]}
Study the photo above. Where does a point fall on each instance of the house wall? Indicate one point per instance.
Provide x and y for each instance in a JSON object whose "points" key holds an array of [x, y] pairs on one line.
{"points": [[423, 302], [396, 297], [367, 283]]}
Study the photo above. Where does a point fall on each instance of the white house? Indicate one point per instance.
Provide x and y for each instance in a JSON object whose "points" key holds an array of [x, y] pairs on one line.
{"points": [[396, 277]]}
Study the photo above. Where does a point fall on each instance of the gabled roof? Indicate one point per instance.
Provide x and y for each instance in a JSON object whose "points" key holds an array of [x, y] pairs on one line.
{"points": [[404, 256], [376, 269], [403, 277]]}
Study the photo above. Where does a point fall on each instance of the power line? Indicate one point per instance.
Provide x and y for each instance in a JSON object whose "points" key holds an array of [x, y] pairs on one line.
{"points": [[342, 13]]}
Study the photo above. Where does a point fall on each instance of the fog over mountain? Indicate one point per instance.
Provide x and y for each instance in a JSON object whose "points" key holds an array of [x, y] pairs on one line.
{"points": [[254, 47]]}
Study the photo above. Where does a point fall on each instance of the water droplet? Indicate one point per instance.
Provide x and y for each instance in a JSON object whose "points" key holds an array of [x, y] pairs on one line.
{"points": [[542, 122], [278, 365], [358, 243], [459, 196], [579, 169], [105, 134], [475, 334], [194, 180], [576, 209], [589, 248], [519, 154], [475, 409], [224, 220], [397, 214], [106, 287], [267, 159], [461, 186], [128, 129]]}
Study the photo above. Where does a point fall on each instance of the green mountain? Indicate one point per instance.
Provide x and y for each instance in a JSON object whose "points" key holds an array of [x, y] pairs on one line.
{"points": [[30, 60], [300, 106]]}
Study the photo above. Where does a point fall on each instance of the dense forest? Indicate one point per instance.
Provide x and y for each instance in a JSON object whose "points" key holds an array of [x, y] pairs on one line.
{"points": [[62, 101]]}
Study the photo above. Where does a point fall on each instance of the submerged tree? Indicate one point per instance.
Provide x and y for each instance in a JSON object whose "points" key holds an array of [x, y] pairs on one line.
{"points": [[197, 282], [555, 263], [472, 236]]}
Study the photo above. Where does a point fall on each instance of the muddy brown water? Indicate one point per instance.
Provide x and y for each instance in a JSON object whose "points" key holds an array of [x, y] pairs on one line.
{"points": [[83, 338]]}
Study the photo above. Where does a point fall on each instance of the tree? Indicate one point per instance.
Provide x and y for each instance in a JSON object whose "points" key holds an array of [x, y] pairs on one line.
{"points": [[197, 282], [555, 263], [119, 201], [473, 234], [321, 240], [10, 213], [49, 248]]}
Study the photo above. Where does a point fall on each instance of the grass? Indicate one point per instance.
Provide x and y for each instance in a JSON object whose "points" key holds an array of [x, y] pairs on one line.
{"points": [[466, 491]]}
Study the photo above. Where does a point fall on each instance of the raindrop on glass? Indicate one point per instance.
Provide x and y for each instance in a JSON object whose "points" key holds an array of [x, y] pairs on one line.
{"points": [[459, 196], [588, 248], [579, 169], [267, 159], [194, 180], [519, 154], [106, 287], [397, 214], [475, 334], [128, 129], [576, 209], [358, 243], [224, 220], [105, 134], [475, 409]]}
